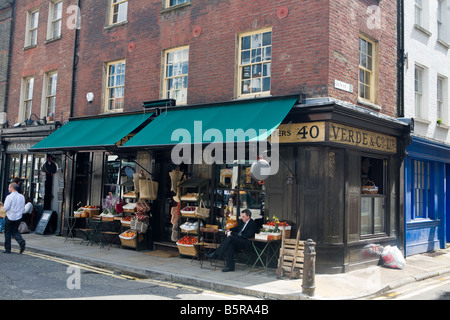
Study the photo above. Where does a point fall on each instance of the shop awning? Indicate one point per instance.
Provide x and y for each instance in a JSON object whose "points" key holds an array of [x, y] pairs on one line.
{"points": [[238, 121], [91, 133]]}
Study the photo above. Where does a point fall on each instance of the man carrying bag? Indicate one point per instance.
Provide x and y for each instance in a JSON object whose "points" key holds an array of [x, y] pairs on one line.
{"points": [[14, 206]]}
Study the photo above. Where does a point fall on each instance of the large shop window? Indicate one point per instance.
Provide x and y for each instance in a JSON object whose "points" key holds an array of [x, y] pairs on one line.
{"points": [[421, 189], [28, 168], [118, 176], [234, 180], [373, 197]]}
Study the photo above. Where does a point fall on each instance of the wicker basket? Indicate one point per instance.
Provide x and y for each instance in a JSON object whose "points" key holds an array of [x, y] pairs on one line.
{"points": [[369, 187], [187, 250], [131, 242]]}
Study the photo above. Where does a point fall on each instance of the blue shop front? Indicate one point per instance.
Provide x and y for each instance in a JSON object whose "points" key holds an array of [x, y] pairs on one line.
{"points": [[427, 196]]}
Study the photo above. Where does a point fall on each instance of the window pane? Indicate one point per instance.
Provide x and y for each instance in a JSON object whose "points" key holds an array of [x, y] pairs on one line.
{"points": [[267, 39], [256, 40], [245, 57], [246, 43]]}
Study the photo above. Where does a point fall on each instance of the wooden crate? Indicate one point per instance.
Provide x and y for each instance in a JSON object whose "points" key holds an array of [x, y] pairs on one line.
{"points": [[290, 262]]}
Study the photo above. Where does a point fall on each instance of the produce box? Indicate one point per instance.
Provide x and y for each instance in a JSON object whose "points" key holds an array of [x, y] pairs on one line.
{"points": [[91, 211], [186, 246], [130, 238]]}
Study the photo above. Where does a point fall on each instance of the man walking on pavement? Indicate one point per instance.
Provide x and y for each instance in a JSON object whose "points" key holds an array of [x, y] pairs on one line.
{"points": [[14, 206]]}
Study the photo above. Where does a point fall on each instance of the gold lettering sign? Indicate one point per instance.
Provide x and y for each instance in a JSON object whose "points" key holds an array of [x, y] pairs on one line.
{"points": [[301, 132], [337, 133], [362, 138]]}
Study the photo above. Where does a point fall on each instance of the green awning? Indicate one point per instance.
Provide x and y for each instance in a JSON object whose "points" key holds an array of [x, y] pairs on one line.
{"points": [[91, 133], [239, 121]]}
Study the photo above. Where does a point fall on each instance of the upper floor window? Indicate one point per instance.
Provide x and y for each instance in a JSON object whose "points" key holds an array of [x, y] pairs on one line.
{"points": [[255, 62], [419, 90], [32, 26], [50, 93], [55, 18], [118, 11], [115, 86], [176, 74], [367, 68], [418, 12], [27, 97], [171, 3]]}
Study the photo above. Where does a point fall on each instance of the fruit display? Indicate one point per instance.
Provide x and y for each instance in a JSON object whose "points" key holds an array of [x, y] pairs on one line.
{"points": [[128, 234], [187, 241]]}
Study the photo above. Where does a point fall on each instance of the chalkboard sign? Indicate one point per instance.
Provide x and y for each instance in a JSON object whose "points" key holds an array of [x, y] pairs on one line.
{"points": [[43, 222]]}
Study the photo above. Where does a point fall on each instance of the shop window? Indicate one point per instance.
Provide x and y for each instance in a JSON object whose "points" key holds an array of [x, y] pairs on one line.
{"points": [[373, 199], [421, 188], [118, 176], [236, 190], [255, 62]]}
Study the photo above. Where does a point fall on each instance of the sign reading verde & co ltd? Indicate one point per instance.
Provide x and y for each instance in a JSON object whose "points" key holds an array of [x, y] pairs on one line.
{"points": [[338, 133]]}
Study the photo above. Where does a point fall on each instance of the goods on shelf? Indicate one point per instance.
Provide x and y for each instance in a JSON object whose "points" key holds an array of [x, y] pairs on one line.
{"points": [[129, 207], [188, 211], [190, 226], [192, 196], [126, 221]]}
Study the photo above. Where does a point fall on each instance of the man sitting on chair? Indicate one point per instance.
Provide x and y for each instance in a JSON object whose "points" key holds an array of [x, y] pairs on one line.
{"points": [[237, 239]]}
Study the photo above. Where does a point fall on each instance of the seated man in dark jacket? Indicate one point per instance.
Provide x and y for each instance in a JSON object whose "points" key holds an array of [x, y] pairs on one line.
{"points": [[237, 240]]}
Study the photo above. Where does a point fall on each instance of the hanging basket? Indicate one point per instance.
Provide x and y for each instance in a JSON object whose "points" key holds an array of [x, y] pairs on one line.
{"points": [[369, 187]]}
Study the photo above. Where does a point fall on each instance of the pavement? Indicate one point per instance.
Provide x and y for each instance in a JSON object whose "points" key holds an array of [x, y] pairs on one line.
{"points": [[361, 284]]}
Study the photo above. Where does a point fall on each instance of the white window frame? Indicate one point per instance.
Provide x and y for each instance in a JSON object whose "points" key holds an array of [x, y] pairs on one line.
{"points": [[176, 74], [442, 99], [26, 100], [250, 62], [54, 21], [50, 89], [122, 15], [32, 28], [419, 13], [114, 86], [174, 3], [420, 91]]}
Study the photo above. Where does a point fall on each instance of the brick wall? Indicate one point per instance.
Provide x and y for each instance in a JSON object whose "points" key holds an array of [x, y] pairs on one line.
{"points": [[313, 43], [44, 57]]}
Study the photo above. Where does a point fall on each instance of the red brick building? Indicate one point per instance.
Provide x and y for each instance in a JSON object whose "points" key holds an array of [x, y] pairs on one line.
{"points": [[340, 56], [313, 44], [39, 93]]}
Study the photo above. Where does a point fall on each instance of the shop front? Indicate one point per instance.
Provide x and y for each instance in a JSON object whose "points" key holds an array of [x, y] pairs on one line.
{"points": [[427, 197], [40, 176], [340, 182], [97, 174]]}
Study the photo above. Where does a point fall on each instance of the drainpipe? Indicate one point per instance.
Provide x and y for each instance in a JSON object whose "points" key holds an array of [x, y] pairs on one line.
{"points": [[75, 58], [401, 59]]}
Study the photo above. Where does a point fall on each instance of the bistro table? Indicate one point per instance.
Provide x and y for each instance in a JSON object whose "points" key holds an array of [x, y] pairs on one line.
{"points": [[269, 248], [71, 223]]}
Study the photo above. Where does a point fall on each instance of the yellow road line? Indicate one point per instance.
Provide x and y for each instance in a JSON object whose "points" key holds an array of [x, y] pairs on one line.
{"points": [[78, 264]]}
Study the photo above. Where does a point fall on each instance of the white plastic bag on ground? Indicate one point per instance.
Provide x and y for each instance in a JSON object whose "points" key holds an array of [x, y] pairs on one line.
{"points": [[393, 258]]}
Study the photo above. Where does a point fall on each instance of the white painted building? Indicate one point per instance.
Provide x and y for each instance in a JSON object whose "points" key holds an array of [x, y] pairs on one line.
{"points": [[427, 69], [426, 99]]}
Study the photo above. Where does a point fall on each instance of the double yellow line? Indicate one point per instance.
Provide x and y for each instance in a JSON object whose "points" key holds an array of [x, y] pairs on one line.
{"points": [[80, 265], [103, 271]]}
